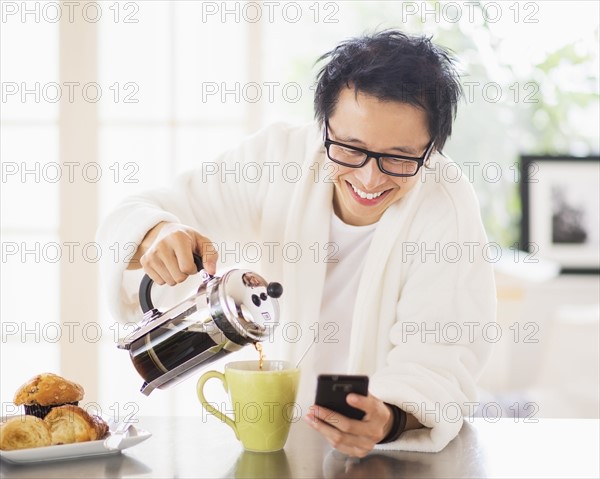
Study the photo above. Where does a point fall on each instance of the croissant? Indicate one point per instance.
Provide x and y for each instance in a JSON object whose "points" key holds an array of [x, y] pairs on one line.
{"points": [[23, 432], [69, 424]]}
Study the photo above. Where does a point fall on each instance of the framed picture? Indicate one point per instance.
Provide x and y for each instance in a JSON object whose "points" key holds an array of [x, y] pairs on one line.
{"points": [[560, 198]]}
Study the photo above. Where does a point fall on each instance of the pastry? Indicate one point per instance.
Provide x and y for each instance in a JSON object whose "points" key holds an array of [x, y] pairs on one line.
{"points": [[100, 426], [23, 432], [45, 391], [69, 424]]}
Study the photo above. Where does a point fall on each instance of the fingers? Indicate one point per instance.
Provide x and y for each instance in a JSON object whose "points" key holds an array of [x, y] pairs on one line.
{"points": [[208, 253], [350, 436], [364, 403], [335, 419], [347, 443], [173, 268], [341, 422], [169, 259], [185, 258], [161, 272], [377, 415], [157, 273]]}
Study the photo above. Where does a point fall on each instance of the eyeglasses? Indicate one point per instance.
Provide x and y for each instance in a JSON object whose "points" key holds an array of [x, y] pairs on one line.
{"points": [[393, 165]]}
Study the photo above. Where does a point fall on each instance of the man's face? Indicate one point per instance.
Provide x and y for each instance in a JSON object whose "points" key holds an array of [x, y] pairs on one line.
{"points": [[390, 127]]}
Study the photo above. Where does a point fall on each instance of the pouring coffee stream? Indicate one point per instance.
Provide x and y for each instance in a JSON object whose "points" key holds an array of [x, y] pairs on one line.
{"points": [[261, 355], [225, 314]]}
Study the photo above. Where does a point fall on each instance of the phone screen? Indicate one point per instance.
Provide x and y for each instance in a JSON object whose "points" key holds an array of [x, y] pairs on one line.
{"points": [[332, 390]]}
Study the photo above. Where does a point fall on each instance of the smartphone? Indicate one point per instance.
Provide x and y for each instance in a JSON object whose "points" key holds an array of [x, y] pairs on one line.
{"points": [[332, 390]]}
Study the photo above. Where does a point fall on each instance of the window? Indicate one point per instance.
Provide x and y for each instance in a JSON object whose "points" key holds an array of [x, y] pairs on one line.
{"points": [[30, 218]]}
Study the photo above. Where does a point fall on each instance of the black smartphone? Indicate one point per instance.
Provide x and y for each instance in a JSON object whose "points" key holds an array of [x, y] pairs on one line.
{"points": [[332, 390]]}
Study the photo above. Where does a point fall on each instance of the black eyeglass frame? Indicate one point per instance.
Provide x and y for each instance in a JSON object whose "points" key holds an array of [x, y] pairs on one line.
{"points": [[376, 155]]}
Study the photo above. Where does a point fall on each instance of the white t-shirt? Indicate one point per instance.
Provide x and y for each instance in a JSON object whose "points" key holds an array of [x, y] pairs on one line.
{"points": [[350, 244]]}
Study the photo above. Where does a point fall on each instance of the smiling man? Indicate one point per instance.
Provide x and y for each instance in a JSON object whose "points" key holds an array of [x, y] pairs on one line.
{"points": [[360, 122], [387, 277]]}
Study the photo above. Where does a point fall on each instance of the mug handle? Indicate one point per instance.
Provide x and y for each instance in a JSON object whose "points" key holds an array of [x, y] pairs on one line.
{"points": [[209, 407]]}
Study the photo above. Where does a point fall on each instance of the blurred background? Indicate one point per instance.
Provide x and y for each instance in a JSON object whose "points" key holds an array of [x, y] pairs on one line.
{"points": [[104, 99]]}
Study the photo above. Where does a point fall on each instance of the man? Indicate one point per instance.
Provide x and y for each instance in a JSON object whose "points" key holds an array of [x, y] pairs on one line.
{"points": [[389, 255]]}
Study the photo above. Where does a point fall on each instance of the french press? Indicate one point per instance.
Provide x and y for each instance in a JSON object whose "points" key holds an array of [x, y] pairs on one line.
{"points": [[225, 314]]}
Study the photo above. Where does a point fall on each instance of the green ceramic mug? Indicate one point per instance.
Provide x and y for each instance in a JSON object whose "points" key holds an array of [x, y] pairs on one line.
{"points": [[263, 401]]}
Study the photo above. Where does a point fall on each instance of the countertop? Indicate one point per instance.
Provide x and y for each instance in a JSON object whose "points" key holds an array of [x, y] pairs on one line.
{"points": [[203, 447]]}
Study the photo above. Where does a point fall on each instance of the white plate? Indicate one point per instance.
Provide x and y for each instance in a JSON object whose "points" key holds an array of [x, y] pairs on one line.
{"points": [[72, 451]]}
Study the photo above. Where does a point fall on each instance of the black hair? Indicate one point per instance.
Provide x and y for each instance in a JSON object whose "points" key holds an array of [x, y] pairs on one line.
{"points": [[391, 65]]}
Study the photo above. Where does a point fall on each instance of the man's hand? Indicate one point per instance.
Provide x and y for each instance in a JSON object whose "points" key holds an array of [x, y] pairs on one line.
{"points": [[166, 253], [351, 436]]}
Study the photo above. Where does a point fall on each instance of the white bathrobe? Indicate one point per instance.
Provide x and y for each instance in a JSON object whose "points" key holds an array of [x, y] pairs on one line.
{"points": [[421, 310]]}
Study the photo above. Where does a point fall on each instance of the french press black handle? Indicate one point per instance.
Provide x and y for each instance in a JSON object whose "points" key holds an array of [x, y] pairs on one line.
{"points": [[146, 287]]}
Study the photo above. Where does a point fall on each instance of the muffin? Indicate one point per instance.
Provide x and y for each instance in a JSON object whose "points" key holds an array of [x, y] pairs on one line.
{"points": [[69, 424], [46, 391], [23, 432]]}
